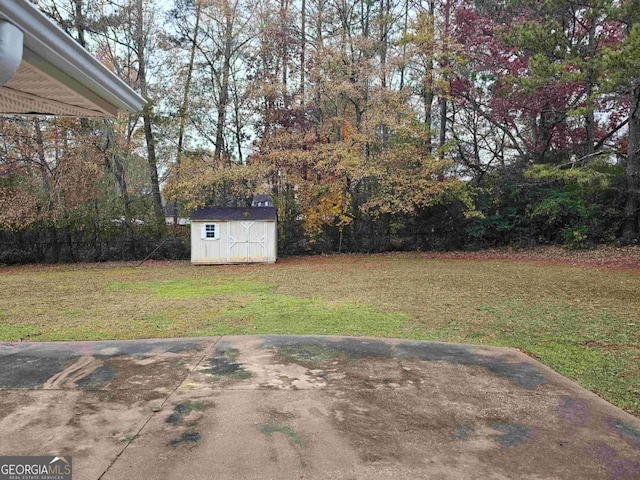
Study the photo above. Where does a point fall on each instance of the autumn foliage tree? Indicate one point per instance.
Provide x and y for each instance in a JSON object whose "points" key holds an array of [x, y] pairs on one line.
{"points": [[373, 124]]}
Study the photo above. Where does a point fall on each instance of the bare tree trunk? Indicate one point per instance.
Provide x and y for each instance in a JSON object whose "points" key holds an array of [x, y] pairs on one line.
{"points": [[385, 12], [444, 94], [284, 7], [443, 125], [589, 118], [45, 171], [185, 102], [115, 165], [223, 100], [79, 22], [632, 172], [303, 48], [319, 46], [238, 123], [427, 85], [146, 117], [405, 26]]}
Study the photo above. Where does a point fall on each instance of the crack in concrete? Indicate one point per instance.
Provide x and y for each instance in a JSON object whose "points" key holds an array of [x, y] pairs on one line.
{"points": [[207, 352]]}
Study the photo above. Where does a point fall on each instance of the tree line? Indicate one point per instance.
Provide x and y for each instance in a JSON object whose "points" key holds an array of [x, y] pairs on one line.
{"points": [[373, 124]]}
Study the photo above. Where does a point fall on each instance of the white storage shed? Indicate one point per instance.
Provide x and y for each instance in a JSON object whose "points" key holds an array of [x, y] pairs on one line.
{"points": [[222, 235]]}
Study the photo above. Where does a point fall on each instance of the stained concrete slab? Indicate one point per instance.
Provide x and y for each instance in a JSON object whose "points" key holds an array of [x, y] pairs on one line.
{"points": [[307, 407]]}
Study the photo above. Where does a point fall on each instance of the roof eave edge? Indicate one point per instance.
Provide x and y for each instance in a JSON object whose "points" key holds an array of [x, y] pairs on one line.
{"points": [[58, 48]]}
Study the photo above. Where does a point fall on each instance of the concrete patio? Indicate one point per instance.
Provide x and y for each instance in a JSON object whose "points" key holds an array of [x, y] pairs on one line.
{"points": [[306, 407]]}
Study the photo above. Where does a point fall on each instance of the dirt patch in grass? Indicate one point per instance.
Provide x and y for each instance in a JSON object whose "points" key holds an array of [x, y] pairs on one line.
{"points": [[610, 347]]}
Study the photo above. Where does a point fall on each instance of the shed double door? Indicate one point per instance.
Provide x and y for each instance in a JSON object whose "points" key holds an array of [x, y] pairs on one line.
{"points": [[247, 241]]}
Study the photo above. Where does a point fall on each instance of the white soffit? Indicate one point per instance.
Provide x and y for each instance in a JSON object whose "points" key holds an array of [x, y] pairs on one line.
{"points": [[57, 76]]}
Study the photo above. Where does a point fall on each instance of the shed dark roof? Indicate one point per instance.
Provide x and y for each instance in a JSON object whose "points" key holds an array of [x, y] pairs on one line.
{"points": [[261, 197], [231, 213]]}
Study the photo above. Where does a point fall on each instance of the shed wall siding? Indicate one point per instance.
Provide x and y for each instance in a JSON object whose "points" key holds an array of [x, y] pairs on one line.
{"points": [[209, 251], [239, 242]]}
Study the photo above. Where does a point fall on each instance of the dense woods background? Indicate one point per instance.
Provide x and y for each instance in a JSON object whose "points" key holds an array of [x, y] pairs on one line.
{"points": [[374, 125]]}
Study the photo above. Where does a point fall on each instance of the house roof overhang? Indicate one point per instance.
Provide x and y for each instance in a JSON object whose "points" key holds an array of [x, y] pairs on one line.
{"points": [[44, 71]]}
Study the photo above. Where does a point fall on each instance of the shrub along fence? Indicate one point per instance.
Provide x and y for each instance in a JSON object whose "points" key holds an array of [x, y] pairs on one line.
{"points": [[22, 247]]}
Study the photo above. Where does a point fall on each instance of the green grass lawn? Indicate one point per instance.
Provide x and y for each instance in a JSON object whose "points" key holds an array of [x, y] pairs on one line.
{"points": [[582, 322]]}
